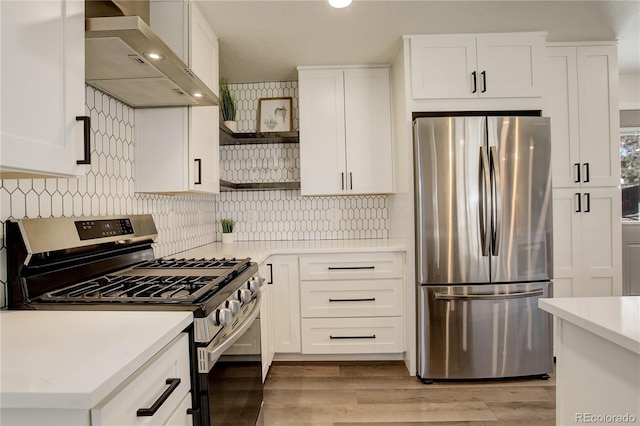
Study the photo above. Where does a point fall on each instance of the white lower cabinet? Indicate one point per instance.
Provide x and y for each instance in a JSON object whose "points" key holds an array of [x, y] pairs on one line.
{"points": [[166, 374], [283, 279], [352, 303]]}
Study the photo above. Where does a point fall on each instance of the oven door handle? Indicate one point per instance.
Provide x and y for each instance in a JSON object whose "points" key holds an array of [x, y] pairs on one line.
{"points": [[212, 355]]}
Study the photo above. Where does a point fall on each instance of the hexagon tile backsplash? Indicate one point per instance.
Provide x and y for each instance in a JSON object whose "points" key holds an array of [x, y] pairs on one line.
{"points": [[191, 220]]}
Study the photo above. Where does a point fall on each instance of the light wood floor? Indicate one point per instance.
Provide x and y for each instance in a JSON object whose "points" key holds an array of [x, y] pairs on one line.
{"points": [[383, 393]]}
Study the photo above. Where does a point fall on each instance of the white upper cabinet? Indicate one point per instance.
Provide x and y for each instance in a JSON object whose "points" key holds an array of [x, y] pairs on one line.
{"points": [[345, 131], [42, 89], [178, 148], [467, 66]]}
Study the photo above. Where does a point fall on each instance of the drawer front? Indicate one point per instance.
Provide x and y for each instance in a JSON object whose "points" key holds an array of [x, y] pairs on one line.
{"points": [[146, 386], [352, 335], [351, 266], [357, 298], [181, 417]]}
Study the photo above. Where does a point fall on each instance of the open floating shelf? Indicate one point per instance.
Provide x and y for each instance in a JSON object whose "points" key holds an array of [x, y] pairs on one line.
{"points": [[227, 137], [225, 185]]}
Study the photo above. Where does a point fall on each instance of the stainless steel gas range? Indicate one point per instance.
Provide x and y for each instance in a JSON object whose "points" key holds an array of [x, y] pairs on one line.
{"points": [[108, 263]]}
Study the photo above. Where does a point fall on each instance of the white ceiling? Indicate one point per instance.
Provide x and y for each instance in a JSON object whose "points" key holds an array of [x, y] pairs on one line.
{"points": [[264, 40]]}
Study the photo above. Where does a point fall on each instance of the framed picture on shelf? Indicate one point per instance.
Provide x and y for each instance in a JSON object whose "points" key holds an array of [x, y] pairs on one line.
{"points": [[274, 115]]}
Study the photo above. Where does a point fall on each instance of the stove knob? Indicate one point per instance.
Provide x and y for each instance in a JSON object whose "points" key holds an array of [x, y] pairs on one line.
{"points": [[233, 306], [244, 295], [222, 316], [255, 283]]}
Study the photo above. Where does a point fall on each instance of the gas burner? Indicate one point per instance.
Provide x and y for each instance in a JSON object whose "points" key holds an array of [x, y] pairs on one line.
{"points": [[137, 288], [193, 263]]}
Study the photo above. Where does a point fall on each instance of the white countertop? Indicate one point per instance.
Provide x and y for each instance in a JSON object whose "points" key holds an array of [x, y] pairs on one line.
{"points": [[616, 319], [73, 359], [259, 251]]}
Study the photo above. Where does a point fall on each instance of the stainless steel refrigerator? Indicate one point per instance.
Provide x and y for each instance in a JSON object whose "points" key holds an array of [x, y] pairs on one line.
{"points": [[483, 246]]}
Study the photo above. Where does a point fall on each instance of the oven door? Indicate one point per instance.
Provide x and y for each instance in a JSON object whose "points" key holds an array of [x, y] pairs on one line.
{"points": [[230, 393], [235, 382]]}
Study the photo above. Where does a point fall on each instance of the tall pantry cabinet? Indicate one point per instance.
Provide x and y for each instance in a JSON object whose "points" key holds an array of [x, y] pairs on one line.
{"points": [[581, 99], [178, 148]]}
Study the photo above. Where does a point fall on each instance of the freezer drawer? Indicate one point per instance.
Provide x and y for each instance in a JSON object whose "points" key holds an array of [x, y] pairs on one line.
{"points": [[483, 331]]}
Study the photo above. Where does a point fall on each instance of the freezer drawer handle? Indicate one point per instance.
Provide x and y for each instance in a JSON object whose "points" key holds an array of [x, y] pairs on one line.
{"points": [[442, 296], [146, 412], [344, 268], [373, 336], [368, 299]]}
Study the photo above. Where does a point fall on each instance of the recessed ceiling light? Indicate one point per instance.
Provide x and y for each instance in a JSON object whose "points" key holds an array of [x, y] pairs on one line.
{"points": [[154, 55], [339, 4], [198, 95]]}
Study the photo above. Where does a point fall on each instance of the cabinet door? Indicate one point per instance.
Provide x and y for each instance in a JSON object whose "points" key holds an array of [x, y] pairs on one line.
{"points": [[587, 242], [367, 103], [598, 115], [561, 104], [43, 89], [442, 67], [322, 132], [567, 245], [510, 65], [286, 303], [601, 240]]}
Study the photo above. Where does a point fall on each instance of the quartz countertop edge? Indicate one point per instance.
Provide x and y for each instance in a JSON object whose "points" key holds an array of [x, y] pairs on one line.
{"points": [[75, 359], [616, 319], [259, 251]]}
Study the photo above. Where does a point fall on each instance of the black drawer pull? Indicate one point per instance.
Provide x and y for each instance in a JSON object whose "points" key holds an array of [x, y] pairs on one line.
{"points": [[373, 336], [345, 268], [146, 412], [369, 299]]}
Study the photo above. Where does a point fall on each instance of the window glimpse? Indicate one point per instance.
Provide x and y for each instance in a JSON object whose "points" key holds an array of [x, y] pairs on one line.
{"points": [[630, 172]]}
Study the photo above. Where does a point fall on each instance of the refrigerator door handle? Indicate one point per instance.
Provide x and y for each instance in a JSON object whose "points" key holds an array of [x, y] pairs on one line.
{"points": [[496, 197], [502, 296], [483, 191]]}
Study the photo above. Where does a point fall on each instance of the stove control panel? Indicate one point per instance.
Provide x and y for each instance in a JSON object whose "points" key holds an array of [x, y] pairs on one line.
{"points": [[91, 229]]}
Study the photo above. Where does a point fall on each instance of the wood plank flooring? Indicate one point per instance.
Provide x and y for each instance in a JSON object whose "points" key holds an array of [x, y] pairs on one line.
{"points": [[383, 393]]}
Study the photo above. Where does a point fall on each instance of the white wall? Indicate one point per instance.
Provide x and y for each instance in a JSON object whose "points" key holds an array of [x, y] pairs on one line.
{"points": [[629, 97]]}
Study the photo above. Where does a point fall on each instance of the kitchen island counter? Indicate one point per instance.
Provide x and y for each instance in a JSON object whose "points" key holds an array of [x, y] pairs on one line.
{"points": [[74, 359], [259, 251], [597, 359]]}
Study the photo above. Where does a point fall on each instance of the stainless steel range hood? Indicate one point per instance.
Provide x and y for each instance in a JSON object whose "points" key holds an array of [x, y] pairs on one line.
{"points": [[118, 61]]}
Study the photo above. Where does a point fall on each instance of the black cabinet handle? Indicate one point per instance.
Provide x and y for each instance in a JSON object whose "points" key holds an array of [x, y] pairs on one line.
{"points": [[342, 181], [373, 336], [270, 265], [87, 139], [199, 169], [484, 81], [343, 268], [350, 180], [577, 169], [475, 85], [586, 172], [146, 412], [587, 198], [368, 299], [579, 202]]}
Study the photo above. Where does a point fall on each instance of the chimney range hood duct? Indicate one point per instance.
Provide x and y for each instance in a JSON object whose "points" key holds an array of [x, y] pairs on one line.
{"points": [[118, 61]]}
